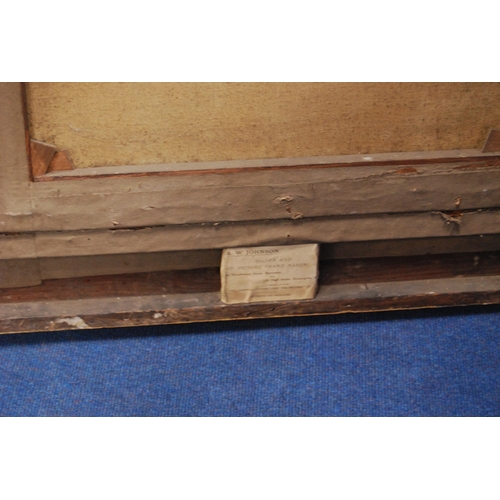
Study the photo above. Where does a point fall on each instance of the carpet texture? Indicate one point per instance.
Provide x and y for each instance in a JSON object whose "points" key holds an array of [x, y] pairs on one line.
{"points": [[442, 362]]}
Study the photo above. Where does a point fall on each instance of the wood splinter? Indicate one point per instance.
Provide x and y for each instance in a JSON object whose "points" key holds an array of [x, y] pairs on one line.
{"points": [[454, 217]]}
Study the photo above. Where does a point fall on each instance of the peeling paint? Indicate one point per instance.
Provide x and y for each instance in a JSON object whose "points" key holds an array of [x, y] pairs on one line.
{"points": [[283, 200], [407, 170], [75, 321], [452, 217]]}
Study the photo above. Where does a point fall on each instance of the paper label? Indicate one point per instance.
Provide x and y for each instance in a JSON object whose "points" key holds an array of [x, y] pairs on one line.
{"points": [[260, 274]]}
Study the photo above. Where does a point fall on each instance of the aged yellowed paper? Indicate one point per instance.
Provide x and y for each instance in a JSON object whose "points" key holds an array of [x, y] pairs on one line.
{"points": [[260, 274]]}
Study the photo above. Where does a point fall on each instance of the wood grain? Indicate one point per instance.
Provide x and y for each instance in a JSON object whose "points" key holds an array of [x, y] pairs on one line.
{"points": [[188, 296], [15, 206], [281, 232], [17, 246], [264, 195], [15, 203], [19, 273], [101, 265], [112, 264], [402, 160]]}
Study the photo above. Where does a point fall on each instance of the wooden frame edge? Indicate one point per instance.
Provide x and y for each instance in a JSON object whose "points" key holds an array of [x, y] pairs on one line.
{"points": [[448, 194], [358, 285]]}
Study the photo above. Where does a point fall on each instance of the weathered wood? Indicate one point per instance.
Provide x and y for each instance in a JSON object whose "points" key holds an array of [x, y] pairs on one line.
{"points": [[270, 164], [492, 144], [15, 206], [282, 232], [255, 202], [61, 162], [188, 296], [15, 203], [17, 246], [41, 155], [207, 280], [102, 265], [19, 273], [408, 247], [264, 195]]}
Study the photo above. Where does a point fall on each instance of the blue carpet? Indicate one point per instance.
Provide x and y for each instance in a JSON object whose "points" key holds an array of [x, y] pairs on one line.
{"points": [[414, 363]]}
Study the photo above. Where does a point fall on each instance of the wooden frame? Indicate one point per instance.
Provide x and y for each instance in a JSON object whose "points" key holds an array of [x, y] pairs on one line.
{"points": [[202, 208]]}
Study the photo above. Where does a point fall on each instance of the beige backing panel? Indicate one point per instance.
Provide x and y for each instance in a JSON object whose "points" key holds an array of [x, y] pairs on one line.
{"points": [[104, 124]]}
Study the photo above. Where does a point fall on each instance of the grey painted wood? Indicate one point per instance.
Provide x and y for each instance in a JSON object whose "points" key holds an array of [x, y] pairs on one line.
{"points": [[262, 195], [15, 201], [282, 232]]}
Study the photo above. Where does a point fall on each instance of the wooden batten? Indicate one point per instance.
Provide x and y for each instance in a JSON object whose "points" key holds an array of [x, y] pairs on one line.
{"points": [[265, 195], [16, 273], [17, 239], [354, 285], [15, 199], [102, 265], [210, 236]]}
